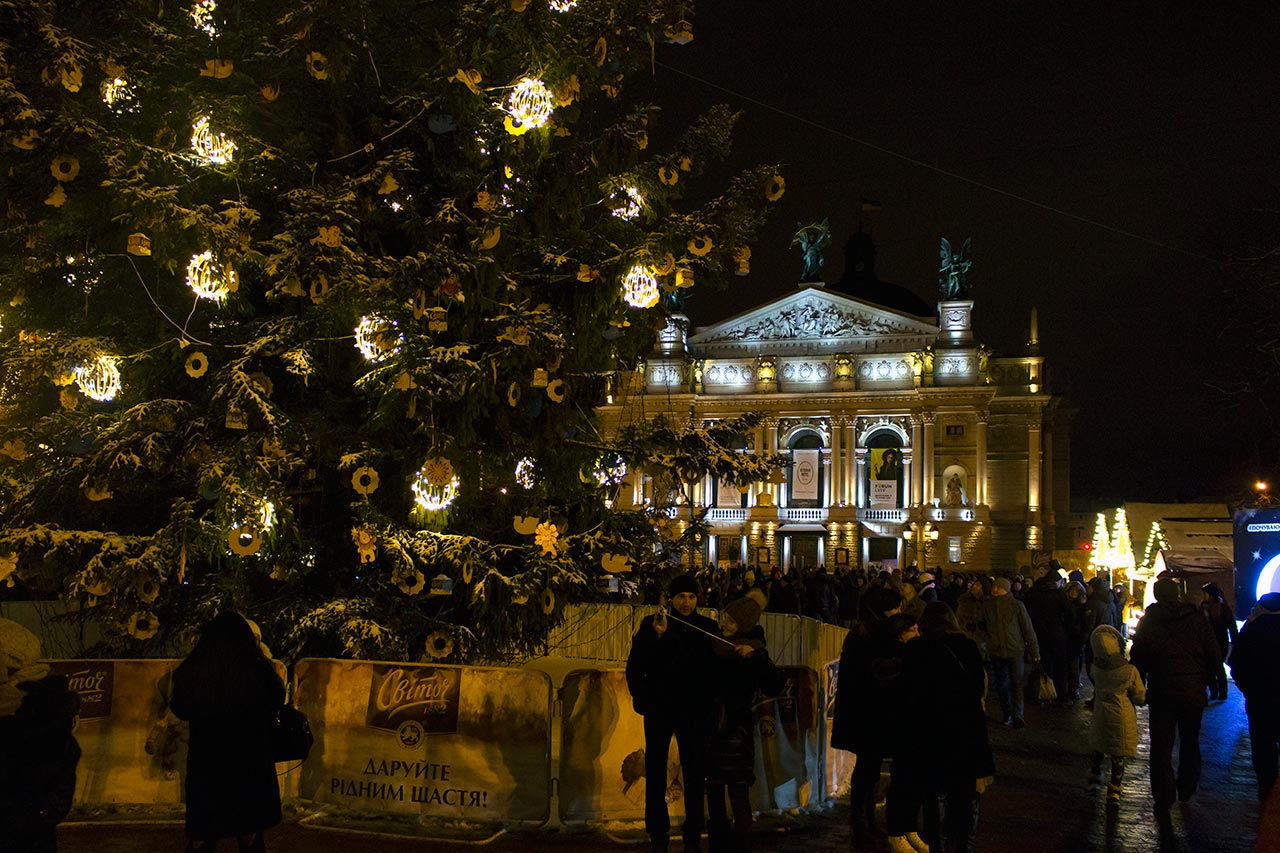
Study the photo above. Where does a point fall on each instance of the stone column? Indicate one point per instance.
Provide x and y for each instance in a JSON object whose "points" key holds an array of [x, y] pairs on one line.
{"points": [[757, 445], [916, 493], [771, 439], [980, 472], [861, 476], [835, 470], [850, 465], [1046, 487], [926, 463], [908, 474], [1034, 538]]}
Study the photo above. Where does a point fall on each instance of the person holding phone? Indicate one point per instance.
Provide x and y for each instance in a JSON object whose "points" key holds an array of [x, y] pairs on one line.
{"points": [[669, 676]]}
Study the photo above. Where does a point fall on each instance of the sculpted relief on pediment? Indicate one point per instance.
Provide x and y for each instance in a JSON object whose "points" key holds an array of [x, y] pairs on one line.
{"points": [[807, 320]]}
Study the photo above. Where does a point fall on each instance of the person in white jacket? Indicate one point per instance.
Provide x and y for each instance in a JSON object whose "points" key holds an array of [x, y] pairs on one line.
{"points": [[1117, 689]]}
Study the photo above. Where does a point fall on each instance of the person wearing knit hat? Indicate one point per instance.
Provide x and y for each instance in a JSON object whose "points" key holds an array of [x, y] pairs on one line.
{"points": [[1175, 651], [39, 752], [742, 668], [1253, 666], [668, 674]]}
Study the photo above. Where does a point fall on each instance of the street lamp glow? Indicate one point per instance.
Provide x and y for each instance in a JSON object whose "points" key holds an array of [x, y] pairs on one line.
{"points": [[1261, 485]]}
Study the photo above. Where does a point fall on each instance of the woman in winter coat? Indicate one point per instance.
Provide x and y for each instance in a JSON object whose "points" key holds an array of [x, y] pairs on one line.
{"points": [[946, 683], [1222, 621], [38, 753], [1117, 689], [742, 667], [230, 692]]}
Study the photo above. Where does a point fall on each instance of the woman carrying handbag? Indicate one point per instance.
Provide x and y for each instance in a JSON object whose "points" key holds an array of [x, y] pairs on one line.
{"points": [[231, 693]]}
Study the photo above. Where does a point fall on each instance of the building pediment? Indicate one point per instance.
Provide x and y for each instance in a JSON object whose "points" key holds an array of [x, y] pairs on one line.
{"points": [[814, 319]]}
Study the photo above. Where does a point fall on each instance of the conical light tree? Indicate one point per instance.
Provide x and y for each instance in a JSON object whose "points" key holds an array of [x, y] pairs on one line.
{"points": [[309, 306], [1156, 542], [1100, 553], [1121, 543]]}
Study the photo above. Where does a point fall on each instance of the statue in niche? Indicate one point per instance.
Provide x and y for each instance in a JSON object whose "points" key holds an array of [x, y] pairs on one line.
{"points": [[953, 272], [813, 240], [955, 495]]}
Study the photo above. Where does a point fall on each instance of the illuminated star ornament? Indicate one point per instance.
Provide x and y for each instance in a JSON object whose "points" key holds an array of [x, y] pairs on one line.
{"points": [[213, 149]]}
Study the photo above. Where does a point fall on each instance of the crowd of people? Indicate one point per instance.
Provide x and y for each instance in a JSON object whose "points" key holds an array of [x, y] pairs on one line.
{"points": [[928, 654]]}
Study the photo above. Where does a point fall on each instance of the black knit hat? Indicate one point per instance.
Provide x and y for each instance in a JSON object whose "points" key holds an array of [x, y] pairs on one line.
{"points": [[682, 583]]}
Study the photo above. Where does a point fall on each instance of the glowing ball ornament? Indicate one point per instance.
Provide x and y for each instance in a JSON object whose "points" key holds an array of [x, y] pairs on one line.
{"points": [[377, 338], [99, 379], [530, 103], [212, 149], [117, 94], [562, 5], [525, 473], [640, 288], [610, 470], [432, 491], [209, 279], [627, 202]]}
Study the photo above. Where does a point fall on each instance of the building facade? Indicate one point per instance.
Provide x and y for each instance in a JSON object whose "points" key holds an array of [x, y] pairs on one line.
{"points": [[908, 442]]}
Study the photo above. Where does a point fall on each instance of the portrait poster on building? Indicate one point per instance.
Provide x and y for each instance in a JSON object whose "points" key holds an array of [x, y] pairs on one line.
{"points": [[886, 474], [804, 475], [440, 741], [133, 749]]}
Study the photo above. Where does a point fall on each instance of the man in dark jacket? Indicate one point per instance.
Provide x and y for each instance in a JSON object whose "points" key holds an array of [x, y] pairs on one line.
{"points": [[1253, 666], [1174, 651], [669, 676], [1053, 617]]}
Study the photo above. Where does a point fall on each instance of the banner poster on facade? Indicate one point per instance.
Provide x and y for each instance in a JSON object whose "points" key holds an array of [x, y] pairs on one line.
{"points": [[886, 473], [133, 749], [602, 749], [728, 494], [804, 474], [1256, 537], [440, 741]]}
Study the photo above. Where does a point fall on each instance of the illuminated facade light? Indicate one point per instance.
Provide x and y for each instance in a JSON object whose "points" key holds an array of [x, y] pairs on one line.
{"points": [[99, 379], [530, 103], [640, 288], [213, 149], [209, 279]]}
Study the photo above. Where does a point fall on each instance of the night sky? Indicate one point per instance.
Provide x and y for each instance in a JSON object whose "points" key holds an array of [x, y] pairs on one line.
{"points": [[1107, 159]]}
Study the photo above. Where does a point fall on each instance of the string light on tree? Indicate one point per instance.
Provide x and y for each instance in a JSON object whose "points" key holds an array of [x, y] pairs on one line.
{"points": [[562, 5], [610, 471], [209, 278], [1100, 554], [377, 338], [99, 379], [530, 103], [640, 288], [627, 203], [213, 149], [202, 16]]}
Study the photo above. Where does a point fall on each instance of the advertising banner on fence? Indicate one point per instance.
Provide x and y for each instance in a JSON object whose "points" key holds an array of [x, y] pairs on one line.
{"points": [[441, 741], [839, 763], [602, 748], [134, 750]]}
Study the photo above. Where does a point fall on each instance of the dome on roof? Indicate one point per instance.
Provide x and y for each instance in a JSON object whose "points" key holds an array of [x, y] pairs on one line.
{"points": [[861, 282]]}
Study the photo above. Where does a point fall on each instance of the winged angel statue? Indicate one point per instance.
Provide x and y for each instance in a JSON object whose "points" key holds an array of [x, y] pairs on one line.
{"points": [[953, 272]]}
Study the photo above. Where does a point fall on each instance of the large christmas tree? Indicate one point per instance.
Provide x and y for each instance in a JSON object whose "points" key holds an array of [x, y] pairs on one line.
{"points": [[309, 306]]}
